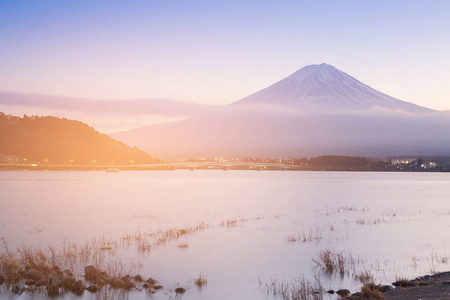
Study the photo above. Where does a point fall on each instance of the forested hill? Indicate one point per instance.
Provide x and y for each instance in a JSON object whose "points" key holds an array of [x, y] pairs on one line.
{"points": [[51, 140]]}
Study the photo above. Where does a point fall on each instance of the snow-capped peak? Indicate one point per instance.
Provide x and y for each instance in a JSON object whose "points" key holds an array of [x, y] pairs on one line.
{"points": [[325, 87]]}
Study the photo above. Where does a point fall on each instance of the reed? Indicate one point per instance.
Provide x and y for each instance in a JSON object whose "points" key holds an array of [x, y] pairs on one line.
{"points": [[297, 289], [331, 261]]}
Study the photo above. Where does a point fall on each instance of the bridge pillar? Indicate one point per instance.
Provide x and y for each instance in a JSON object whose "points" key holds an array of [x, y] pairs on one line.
{"points": [[225, 168], [192, 169]]}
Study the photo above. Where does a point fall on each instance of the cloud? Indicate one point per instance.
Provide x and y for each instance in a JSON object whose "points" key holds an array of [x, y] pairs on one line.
{"points": [[163, 107], [104, 115]]}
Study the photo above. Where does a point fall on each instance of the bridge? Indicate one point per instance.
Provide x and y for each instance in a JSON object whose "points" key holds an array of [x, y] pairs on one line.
{"points": [[256, 166]]}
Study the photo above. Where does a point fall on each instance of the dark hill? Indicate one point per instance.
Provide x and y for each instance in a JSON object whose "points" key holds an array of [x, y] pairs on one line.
{"points": [[51, 140]]}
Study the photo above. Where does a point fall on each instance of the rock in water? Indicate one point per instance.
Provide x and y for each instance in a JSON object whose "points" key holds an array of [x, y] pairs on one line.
{"points": [[138, 278], [79, 287], [343, 292], [52, 289], [68, 281], [57, 270], [18, 289], [93, 288], [91, 272], [34, 274], [29, 282], [386, 288]]}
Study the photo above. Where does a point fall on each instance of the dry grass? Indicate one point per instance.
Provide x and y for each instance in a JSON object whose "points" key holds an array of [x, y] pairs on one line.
{"points": [[347, 208], [9, 265], [305, 238], [162, 237], [201, 280], [331, 261], [414, 262], [370, 289], [36, 265], [233, 222], [326, 259], [33, 267], [365, 277], [373, 221], [273, 216], [39, 264], [297, 289], [183, 245], [403, 282], [146, 240], [144, 246], [436, 258], [371, 292]]}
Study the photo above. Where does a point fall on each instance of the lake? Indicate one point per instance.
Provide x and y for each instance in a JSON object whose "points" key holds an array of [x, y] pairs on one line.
{"points": [[242, 230]]}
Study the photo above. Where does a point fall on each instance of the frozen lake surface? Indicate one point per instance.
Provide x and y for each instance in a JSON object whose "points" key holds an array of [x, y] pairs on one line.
{"points": [[254, 227]]}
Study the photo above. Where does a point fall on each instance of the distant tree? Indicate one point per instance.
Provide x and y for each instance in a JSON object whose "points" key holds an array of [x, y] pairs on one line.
{"points": [[339, 162], [419, 162]]}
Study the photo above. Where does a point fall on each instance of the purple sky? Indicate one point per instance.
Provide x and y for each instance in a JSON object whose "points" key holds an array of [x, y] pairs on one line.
{"points": [[217, 52]]}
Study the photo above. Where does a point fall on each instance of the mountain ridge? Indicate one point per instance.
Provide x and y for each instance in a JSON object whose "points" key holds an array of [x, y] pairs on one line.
{"points": [[59, 141]]}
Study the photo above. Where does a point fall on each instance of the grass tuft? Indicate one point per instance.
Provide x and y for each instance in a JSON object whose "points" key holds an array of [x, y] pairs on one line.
{"points": [[201, 280]]}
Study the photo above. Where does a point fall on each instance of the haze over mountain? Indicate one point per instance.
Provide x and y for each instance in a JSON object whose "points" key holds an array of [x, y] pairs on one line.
{"points": [[317, 110], [109, 115]]}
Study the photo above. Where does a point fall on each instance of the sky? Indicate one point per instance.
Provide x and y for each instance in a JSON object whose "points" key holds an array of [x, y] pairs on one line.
{"points": [[217, 52]]}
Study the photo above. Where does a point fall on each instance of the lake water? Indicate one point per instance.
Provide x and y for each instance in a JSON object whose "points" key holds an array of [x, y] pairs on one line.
{"points": [[258, 227]]}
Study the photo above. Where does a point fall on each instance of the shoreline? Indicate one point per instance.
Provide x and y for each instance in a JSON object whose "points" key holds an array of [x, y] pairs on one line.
{"points": [[212, 166], [436, 287]]}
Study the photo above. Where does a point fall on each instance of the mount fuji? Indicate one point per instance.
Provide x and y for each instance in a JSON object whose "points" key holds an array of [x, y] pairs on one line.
{"points": [[325, 87], [317, 110]]}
